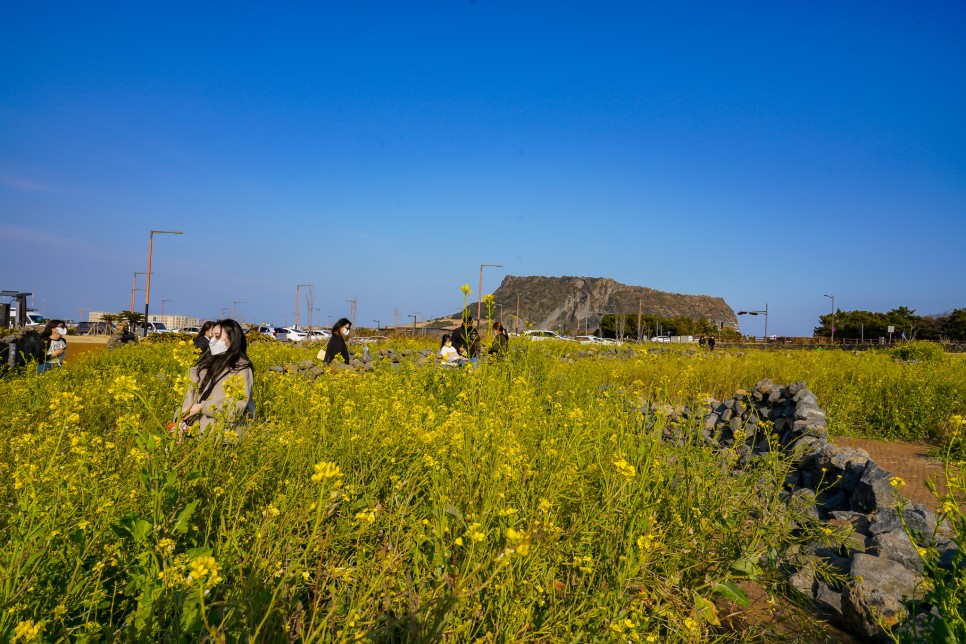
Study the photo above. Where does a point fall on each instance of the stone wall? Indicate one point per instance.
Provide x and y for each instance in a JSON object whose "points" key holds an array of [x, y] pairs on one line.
{"points": [[844, 488]]}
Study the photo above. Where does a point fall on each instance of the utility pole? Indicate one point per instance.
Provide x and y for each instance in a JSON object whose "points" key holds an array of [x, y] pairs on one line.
{"points": [[297, 287], [413, 316], [353, 302], [517, 324], [396, 310], [640, 306]]}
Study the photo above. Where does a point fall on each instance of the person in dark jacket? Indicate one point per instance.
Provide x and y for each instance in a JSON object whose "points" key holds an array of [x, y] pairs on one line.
{"points": [[501, 340], [466, 340], [337, 343], [203, 339]]}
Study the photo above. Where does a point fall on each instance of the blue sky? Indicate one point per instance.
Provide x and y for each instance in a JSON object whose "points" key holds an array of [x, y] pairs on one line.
{"points": [[761, 152]]}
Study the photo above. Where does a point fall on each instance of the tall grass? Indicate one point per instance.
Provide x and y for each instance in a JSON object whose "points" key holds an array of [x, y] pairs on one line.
{"points": [[527, 499]]}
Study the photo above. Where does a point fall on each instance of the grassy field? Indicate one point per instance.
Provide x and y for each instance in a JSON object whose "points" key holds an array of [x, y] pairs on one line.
{"points": [[527, 499]]}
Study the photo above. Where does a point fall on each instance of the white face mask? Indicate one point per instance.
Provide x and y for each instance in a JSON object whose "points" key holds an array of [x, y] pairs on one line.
{"points": [[345, 331], [217, 347]]}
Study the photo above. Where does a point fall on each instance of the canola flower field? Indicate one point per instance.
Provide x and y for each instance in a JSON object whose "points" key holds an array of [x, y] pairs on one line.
{"points": [[527, 499]]}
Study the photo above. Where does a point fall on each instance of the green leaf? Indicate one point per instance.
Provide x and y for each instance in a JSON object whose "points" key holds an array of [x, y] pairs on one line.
{"points": [[731, 591], [706, 609], [181, 522], [140, 530], [746, 567], [453, 511]]}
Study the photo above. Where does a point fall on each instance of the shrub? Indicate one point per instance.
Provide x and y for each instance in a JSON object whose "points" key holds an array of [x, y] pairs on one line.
{"points": [[921, 350]]}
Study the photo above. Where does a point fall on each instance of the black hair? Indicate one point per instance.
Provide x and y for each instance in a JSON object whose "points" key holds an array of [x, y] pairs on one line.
{"points": [[50, 326], [212, 368], [205, 328], [337, 327], [446, 337]]}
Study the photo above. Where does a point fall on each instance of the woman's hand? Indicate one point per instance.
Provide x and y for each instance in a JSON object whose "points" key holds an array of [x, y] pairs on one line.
{"points": [[187, 412]]}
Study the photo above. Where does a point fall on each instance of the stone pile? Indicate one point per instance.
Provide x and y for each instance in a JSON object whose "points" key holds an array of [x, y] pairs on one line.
{"points": [[844, 488]]}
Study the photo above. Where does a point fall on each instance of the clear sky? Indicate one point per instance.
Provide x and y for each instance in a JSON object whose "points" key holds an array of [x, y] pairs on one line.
{"points": [[763, 152]]}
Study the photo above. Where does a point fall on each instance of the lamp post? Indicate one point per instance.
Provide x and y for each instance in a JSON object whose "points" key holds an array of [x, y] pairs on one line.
{"points": [[147, 290], [134, 288], [233, 304], [378, 325], [162, 308], [765, 313], [479, 294], [297, 287], [224, 312], [318, 317], [833, 316], [413, 316]]}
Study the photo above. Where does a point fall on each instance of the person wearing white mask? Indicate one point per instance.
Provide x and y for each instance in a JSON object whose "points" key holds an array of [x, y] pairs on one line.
{"points": [[338, 343], [207, 401], [55, 345]]}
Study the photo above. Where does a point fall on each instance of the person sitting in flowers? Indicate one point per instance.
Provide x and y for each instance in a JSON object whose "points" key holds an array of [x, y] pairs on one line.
{"points": [[221, 381], [448, 354]]}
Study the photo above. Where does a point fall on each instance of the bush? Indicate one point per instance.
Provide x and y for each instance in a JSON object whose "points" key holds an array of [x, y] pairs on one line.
{"points": [[921, 350]]}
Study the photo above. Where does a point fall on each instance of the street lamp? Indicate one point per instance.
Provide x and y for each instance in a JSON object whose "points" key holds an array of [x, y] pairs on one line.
{"points": [[479, 294], [413, 316], [134, 288], [378, 325], [833, 316], [318, 317], [765, 313], [297, 287], [233, 304], [224, 312], [147, 290], [162, 308]]}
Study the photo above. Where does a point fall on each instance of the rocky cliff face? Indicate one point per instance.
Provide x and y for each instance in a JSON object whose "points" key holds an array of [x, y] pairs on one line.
{"points": [[549, 302]]}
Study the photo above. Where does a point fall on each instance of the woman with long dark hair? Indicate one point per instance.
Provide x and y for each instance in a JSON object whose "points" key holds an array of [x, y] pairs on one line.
{"points": [[55, 345], [204, 337], [337, 343], [221, 380]]}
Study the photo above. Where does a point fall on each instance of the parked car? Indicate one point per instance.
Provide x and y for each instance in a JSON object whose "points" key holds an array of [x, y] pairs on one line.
{"points": [[611, 341], [265, 329], [193, 330], [369, 339], [291, 334], [542, 334], [318, 334], [158, 327], [661, 338], [93, 328], [588, 339]]}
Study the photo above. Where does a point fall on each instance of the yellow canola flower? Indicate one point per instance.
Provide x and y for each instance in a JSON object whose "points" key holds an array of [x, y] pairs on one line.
{"points": [[625, 469], [466, 290], [896, 482], [204, 569], [325, 470], [27, 631]]}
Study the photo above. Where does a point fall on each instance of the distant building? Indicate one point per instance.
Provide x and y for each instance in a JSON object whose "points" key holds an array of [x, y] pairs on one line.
{"points": [[172, 321]]}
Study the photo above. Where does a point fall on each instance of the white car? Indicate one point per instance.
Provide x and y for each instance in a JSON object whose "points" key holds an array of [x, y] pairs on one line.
{"points": [[611, 341], [588, 339], [542, 334], [661, 338], [291, 334], [193, 330], [319, 334]]}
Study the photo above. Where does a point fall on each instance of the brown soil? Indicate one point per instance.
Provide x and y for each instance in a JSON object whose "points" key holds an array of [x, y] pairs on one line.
{"points": [[85, 346], [909, 461]]}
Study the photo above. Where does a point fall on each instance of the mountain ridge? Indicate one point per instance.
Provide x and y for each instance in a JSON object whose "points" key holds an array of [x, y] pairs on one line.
{"points": [[556, 302]]}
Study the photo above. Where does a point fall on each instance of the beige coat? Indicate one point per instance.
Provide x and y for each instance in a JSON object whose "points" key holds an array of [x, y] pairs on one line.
{"points": [[218, 406]]}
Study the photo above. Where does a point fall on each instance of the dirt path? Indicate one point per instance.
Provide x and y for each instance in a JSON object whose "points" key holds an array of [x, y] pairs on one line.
{"points": [[910, 461]]}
